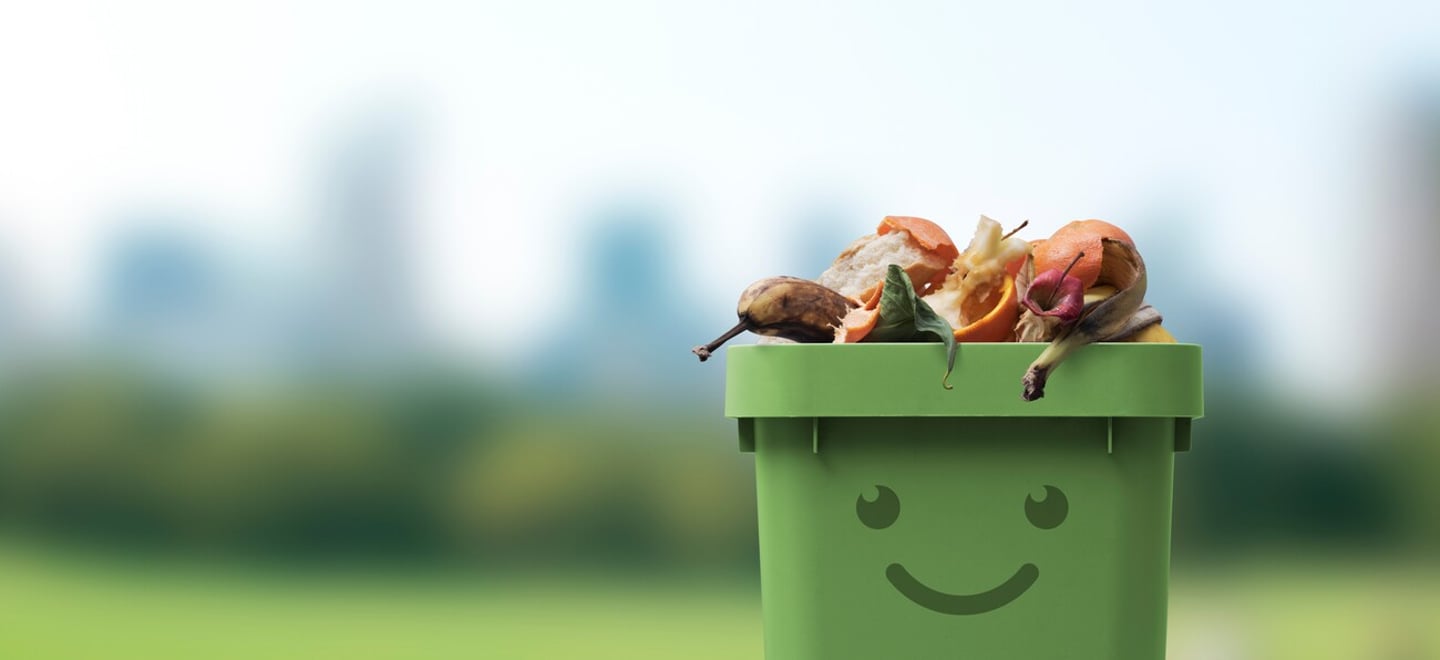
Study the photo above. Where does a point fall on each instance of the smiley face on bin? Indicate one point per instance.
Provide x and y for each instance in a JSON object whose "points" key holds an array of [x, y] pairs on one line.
{"points": [[883, 510]]}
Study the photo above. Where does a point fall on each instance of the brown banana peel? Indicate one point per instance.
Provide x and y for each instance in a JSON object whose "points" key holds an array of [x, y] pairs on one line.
{"points": [[1113, 317], [1154, 333]]}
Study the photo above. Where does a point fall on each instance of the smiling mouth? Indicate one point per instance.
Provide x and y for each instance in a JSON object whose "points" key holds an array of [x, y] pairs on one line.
{"points": [[944, 603]]}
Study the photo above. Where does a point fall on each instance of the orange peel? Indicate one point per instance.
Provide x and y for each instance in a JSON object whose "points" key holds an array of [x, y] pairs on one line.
{"points": [[858, 323], [929, 235], [997, 324], [1056, 252]]}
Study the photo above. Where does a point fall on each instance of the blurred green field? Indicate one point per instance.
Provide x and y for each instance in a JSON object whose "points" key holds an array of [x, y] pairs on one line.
{"points": [[68, 606], [1290, 607], [71, 607]]}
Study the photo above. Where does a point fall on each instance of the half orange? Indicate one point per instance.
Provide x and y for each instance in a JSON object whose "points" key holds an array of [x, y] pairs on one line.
{"points": [[996, 324]]}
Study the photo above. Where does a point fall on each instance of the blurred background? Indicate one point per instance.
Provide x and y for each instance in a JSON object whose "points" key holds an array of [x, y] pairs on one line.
{"points": [[362, 329]]}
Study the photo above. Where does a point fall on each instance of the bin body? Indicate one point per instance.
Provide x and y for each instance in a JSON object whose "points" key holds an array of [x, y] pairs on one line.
{"points": [[936, 523]]}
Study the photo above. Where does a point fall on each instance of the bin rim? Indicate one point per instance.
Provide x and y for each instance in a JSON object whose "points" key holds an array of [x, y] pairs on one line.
{"points": [[904, 380]]}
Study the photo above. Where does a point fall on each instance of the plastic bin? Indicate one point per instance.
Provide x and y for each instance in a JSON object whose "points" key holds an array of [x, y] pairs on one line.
{"points": [[902, 520]]}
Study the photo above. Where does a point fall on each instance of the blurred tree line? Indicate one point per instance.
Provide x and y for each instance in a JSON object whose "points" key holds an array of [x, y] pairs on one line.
{"points": [[431, 464], [427, 464]]}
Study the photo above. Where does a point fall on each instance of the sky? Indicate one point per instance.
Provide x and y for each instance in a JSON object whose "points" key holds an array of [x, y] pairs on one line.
{"points": [[1260, 120]]}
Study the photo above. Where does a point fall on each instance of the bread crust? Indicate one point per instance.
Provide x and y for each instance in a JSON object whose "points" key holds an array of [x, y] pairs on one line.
{"points": [[860, 268]]}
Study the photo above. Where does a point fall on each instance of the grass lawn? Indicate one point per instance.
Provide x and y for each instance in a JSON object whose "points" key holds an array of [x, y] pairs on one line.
{"points": [[64, 606], [69, 608], [1307, 610]]}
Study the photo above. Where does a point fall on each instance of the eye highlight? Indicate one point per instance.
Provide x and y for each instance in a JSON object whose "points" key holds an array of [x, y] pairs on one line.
{"points": [[1049, 512], [881, 512]]}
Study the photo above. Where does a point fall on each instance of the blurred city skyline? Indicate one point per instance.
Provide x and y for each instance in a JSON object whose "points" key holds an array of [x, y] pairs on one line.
{"points": [[171, 294], [1263, 132]]}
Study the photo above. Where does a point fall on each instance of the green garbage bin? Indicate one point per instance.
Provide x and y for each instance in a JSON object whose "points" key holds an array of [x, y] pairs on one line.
{"points": [[899, 519]]}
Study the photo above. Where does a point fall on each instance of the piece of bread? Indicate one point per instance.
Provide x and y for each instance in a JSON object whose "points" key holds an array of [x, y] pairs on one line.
{"points": [[860, 269]]}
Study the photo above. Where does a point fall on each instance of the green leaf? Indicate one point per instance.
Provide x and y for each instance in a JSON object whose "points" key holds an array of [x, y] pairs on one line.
{"points": [[897, 308], [906, 318], [928, 321]]}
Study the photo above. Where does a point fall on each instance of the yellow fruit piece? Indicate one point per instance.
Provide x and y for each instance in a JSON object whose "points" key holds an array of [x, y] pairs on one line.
{"points": [[1154, 334]]}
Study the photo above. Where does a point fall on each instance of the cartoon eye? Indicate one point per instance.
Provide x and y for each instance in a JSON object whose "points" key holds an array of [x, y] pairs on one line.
{"points": [[881, 512], [1049, 512]]}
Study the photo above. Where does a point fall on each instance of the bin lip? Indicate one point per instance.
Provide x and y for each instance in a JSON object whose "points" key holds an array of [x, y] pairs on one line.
{"points": [[904, 380]]}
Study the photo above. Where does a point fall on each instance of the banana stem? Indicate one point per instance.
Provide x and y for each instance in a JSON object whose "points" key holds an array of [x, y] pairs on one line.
{"points": [[705, 351], [1054, 354]]}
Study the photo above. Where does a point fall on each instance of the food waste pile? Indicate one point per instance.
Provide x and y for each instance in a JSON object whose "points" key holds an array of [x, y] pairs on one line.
{"points": [[909, 282]]}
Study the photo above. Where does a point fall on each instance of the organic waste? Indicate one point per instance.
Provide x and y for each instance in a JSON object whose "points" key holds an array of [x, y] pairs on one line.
{"points": [[1085, 283], [789, 307], [1108, 318]]}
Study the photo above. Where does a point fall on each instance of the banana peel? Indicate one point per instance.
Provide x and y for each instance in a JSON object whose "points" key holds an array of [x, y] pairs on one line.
{"points": [[1112, 317], [1153, 333], [788, 307]]}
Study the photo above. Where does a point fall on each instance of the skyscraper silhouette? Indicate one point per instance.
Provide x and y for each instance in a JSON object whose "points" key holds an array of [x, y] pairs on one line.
{"points": [[630, 328], [1406, 222], [366, 312], [164, 296]]}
